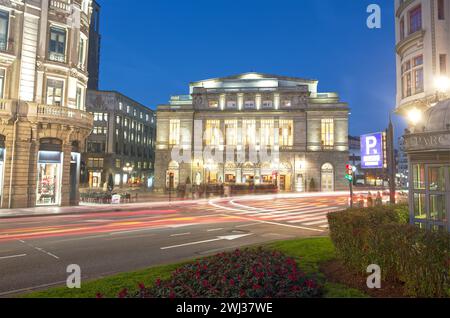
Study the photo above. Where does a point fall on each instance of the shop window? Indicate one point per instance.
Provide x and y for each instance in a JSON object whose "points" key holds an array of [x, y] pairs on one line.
{"points": [[438, 208], [436, 178], [419, 177], [419, 206], [49, 178]]}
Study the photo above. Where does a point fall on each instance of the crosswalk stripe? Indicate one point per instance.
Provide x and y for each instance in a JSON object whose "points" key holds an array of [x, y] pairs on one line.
{"points": [[316, 211], [315, 223], [302, 216]]}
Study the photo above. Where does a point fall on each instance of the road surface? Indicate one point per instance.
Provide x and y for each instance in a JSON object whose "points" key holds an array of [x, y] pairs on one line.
{"points": [[35, 251]]}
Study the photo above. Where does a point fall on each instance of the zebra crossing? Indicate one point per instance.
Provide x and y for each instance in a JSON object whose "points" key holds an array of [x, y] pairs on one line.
{"points": [[303, 212]]}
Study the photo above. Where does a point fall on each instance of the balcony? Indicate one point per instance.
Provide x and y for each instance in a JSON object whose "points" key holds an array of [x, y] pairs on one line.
{"points": [[7, 109], [57, 57], [59, 114], [60, 5]]}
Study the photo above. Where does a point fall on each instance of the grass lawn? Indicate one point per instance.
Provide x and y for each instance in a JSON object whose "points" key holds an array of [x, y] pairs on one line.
{"points": [[308, 252]]}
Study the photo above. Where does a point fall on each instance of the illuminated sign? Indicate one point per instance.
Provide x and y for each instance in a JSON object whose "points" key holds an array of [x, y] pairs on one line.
{"points": [[372, 154]]}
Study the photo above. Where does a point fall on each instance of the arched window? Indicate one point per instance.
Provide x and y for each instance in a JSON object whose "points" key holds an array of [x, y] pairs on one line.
{"points": [[327, 177]]}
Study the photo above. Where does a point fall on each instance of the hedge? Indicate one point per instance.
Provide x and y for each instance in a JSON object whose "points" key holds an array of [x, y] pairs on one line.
{"points": [[418, 258]]}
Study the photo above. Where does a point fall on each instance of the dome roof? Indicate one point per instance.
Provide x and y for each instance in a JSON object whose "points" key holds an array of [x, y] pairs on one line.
{"points": [[436, 118]]}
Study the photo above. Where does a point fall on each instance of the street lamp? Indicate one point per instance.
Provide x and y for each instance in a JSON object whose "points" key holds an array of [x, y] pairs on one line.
{"points": [[442, 84], [414, 116]]}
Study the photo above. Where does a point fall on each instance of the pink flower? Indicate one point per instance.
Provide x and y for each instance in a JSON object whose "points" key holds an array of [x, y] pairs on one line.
{"points": [[232, 283], [158, 282], [123, 293]]}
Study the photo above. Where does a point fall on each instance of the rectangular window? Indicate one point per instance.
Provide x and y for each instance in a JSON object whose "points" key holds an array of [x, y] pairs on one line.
{"points": [[250, 104], [57, 47], [402, 29], [248, 132], [419, 206], [438, 210], [267, 132], [436, 179], [174, 132], [441, 9], [287, 103], [231, 133], [412, 76], [419, 177], [443, 64], [55, 92], [2, 82], [267, 104], [415, 20], [328, 133], [286, 133], [213, 104], [4, 26], [82, 53], [212, 133], [231, 104], [79, 98]]}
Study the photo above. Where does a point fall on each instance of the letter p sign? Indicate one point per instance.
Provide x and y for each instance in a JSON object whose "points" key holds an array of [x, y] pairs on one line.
{"points": [[371, 145]]}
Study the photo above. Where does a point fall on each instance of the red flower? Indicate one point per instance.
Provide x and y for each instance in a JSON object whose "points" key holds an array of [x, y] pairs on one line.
{"points": [[141, 286], [123, 293], [172, 294], [256, 287], [310, 284], [99, 295], [205, 283], [242, 293], [158, 282], [232, 283]]}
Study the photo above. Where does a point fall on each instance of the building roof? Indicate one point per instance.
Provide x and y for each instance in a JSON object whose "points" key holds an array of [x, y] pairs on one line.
{"points": [[436, 118], [257, 76]]}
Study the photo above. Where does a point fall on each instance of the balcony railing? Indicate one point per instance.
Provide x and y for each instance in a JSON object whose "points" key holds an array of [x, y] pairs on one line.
{"points": [[65, 115], [57, 57], [6, 108], [59, 5]]}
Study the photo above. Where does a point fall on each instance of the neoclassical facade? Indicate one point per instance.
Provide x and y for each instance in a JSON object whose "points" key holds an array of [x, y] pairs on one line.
{"points": [[423, 55], [43, 80], [253, 112]]}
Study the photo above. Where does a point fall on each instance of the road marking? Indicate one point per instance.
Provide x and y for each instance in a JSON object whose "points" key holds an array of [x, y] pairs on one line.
{"points": [[181, 234], [316, 222], [247, 225], [13, 256], [39, 249], [219, 238], [264, 222], [215, 230]]}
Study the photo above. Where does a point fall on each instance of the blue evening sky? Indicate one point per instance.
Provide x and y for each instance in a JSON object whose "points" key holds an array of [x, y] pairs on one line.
{"points": [[152, 49]]}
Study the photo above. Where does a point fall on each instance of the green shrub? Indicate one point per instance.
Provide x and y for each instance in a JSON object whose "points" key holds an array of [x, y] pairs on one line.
{"points": [[418, 258]]}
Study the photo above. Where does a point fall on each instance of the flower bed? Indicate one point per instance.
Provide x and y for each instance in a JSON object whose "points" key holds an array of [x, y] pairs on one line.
{"points": [[417, 258], [241, 274]]}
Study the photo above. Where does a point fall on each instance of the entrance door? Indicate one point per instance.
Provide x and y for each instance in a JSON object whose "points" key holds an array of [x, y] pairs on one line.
{"points": [[300, 185], [327, 178], [283, 183], [74, 173]]}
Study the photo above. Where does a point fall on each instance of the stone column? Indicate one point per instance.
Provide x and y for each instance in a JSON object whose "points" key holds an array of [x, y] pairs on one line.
{"points": [[65, 177]]}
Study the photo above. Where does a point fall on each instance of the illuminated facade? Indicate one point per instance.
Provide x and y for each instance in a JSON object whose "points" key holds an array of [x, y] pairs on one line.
{"points": [[423, 52], [253, 111], [122, 142], [43, 80]]}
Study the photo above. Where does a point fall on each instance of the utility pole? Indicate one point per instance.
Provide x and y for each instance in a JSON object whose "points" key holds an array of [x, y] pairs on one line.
{"points": [[391, 161]]}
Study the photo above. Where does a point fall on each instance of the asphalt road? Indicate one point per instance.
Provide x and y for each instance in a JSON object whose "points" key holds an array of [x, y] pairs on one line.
{"points": [[35, 251]]}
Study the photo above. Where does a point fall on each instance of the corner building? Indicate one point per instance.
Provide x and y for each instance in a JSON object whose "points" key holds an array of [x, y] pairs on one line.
{"points": [[43, 80], [310, 128]]}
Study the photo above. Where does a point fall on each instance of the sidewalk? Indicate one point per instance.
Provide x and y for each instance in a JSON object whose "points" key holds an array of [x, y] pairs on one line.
{"points": [[95, 208]]}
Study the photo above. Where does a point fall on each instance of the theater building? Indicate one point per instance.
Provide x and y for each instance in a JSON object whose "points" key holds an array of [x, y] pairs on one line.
{"points": [[251, 111], [43, 80]]}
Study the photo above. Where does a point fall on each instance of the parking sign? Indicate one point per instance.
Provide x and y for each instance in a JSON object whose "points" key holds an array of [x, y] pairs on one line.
{"points": [[372, 155]]}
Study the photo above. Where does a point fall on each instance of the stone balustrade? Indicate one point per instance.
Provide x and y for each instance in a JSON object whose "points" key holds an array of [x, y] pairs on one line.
{"points": [[60, 114]]}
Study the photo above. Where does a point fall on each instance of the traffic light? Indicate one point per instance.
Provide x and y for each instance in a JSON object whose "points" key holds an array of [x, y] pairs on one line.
{"points": [[349, 173]]}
